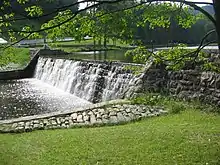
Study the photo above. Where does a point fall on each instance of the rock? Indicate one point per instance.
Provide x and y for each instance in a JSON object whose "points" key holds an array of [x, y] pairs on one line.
{"points": [[128, 110], [70, 122], [92, 119], [161, 111], [63, 125], [19, 129], [74, 116], [135, 112], [132, 116], [105, 121], [84, 114], [27, 128], [151, 115], [113, 120], [90, 113], [21, 124], [45, 121], [99, 121], [58, 121], [28, 123], [36, 126], [62, 120], [98, 116], [36, 122], [144, 114], [120, 117], [86, 118], [14, 125], [105, 116], [112, 113], [53, 122], [80, 119], [68, 118]]}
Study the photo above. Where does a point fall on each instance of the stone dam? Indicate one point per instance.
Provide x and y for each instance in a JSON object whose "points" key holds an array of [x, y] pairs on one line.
{"points": [[59, 93]]}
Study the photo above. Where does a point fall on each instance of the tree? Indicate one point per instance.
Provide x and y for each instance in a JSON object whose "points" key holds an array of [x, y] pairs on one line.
{"points": [[35, 12]]}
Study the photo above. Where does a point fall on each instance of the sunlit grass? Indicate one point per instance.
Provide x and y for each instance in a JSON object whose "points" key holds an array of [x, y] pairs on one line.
{"points": [[190, 137]]}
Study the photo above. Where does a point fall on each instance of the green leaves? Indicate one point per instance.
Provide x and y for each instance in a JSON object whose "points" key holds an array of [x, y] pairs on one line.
{"points": [[175, 58], [22, 1], [34, 11], [139, 54]]}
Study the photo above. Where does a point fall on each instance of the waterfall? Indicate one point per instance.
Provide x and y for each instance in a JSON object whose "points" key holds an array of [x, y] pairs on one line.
{"points": [[94, 82]]}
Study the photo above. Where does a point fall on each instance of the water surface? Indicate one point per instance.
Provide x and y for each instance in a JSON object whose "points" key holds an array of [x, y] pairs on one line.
{"points": [[32, 97]]}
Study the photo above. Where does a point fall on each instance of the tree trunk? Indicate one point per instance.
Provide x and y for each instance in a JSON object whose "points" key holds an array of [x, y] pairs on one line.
{"points": [[100, 43], [105, 42], [216, 4]]}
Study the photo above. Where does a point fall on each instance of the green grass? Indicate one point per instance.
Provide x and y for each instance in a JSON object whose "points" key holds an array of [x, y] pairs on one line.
{"points": [[172, 104], [19, 56], [188, 138], [85, 45], [87, 42]]}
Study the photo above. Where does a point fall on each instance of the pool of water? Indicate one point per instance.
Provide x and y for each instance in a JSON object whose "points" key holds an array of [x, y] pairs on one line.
{"points": [[110, 55], [27, 97]]}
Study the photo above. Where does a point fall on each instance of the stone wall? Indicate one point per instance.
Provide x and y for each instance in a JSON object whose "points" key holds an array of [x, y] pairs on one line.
{"points": [[99, 114], [185, 84]]}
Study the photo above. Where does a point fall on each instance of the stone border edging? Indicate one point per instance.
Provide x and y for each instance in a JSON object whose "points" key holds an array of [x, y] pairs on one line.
{"points": [[97, 115], [59, 113]]}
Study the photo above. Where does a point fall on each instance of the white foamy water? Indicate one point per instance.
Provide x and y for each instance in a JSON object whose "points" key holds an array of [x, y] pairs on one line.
{"points": [[89, 81]]}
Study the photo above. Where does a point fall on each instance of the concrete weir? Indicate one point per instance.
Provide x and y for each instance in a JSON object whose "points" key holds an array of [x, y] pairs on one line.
{"points": [[92, 83], [28, 71]]}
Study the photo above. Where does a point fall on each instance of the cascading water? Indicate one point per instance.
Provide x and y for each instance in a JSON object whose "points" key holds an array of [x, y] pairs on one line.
{"points": [[91, 81]]}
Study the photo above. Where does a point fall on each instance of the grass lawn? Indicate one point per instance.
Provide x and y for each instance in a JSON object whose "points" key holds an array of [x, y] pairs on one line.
{"points": [[187, 138], [87, 42], [14, 55], [85, 45]]}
